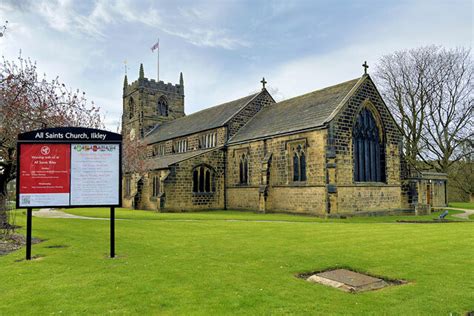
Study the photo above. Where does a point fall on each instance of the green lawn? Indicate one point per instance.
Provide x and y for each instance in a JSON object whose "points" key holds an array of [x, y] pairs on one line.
{"points": [[200, 263], [465, 205]]}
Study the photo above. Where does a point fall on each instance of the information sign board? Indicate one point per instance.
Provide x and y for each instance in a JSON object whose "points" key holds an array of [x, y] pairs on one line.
{"points": [[69, 167]]}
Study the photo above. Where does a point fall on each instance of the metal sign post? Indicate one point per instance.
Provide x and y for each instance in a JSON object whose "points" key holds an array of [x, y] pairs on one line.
{"points": [[29, 216], [112, 232]]}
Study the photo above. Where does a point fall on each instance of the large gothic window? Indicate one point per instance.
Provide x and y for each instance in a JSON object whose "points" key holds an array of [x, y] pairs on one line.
{"points": [[203, 180], [244, 170], [162, 107], [368, 149]]}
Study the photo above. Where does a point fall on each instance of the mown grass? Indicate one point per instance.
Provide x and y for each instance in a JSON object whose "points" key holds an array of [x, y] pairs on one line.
{"points": [[465, 205], [199, 263]]}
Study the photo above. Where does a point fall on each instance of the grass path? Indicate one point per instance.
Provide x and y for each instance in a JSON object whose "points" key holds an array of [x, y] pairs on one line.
{"points": [[50, 213], [466, 215]]}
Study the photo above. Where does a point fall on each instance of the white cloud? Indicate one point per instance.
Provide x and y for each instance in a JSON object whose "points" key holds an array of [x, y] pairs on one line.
{"points": [[209, 38], [190, 25], [80, 43]]}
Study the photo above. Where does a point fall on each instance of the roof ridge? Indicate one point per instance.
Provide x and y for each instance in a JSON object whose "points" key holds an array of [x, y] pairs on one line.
{"points": [[187, 116], [310, 111], [255, 95], [214, 106], [235, 106], [319, 90]]}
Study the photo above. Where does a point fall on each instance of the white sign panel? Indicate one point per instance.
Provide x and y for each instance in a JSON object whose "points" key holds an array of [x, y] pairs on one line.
{"points": [[95, 174]]}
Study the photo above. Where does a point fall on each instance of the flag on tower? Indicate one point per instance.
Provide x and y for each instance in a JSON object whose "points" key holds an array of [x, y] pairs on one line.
{"points": [[157, 44]]}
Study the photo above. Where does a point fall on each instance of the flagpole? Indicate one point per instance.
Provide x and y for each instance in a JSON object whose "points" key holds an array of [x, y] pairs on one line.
{"points": [[158, 62]]}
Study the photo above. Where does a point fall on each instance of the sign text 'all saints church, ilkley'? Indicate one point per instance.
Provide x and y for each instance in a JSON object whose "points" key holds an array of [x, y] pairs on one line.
{"points": [[69, 136]]}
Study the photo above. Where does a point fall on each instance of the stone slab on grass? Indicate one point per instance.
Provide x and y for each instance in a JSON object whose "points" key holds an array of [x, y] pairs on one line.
{"points": [[350, 281]]}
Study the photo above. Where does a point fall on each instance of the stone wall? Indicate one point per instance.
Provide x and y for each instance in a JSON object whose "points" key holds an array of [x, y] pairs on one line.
{"points": [[243, 198], [298, 199], [271, 186], [364, 198], [178, 185], [241, 118]]}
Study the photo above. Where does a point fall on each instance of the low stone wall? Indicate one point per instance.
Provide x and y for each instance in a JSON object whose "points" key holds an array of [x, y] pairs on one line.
{"points": [[243, 198], [359, 198], [293, 199]]}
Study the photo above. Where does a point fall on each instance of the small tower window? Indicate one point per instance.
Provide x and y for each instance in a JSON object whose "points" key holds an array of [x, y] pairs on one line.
{"points": [[131, 107], [162, 107]]}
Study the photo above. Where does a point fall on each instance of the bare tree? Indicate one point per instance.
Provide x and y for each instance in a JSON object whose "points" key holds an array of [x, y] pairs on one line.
{"points": [[407, 82], [429, 90], [28, 102], [449, 123], [461, 174]]}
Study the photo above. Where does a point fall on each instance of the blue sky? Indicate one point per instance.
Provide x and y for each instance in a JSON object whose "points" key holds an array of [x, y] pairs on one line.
{"points": [[223, 48]]}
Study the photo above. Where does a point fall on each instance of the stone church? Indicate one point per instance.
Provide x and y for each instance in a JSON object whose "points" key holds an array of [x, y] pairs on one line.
{"points": [[333, 151]]}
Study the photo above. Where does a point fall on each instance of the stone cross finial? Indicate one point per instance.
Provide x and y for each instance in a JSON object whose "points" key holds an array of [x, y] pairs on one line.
{"points": [[263, 82], [365, 67]]}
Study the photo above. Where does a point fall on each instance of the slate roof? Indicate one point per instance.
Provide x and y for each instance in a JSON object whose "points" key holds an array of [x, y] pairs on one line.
{"points": [[203, 120], [307, 111], [164, 162]]}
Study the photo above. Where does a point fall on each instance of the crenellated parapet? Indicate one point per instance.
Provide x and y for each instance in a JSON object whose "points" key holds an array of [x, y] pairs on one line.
{"points": [[152, 84]]}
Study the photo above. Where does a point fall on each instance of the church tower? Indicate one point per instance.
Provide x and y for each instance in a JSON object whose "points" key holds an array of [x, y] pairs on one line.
{"points": [[147, 103]]}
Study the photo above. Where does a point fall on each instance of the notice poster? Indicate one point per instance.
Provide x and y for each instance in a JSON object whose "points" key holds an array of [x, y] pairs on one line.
{"points": [[44, 175], [95, 174]]}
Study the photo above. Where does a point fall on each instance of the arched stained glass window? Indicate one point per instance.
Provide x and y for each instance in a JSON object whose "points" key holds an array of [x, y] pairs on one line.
{"points": [[302, 167], [203, 181], [208, 181], [368, 149], [299, 164], [244, 170], [241, 171], [296, 167], [195, 180]]}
